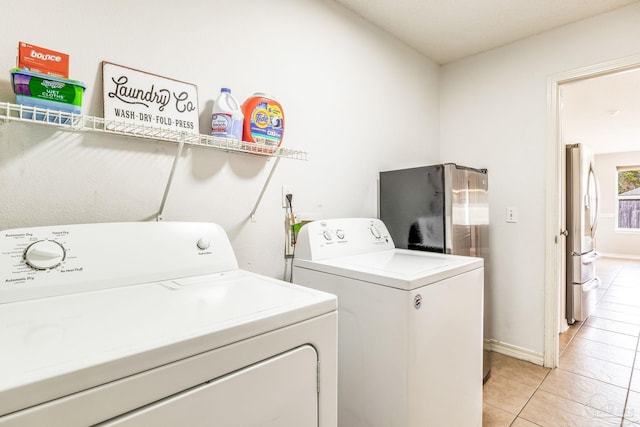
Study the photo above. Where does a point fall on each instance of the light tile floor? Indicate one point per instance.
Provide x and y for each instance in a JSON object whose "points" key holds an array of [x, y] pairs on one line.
{"points": [[597, 382]]}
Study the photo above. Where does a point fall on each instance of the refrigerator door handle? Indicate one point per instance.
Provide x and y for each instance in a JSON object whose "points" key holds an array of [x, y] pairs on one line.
{"points": [[590, 258], [593, 284], [594, 225]]}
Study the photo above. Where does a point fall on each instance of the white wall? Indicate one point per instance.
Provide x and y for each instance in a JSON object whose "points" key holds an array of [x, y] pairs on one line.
{"points": [[610, 241], [493, 115], [354, 98]]}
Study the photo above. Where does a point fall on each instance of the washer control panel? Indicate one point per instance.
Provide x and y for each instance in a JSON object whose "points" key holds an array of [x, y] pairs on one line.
{"points": [[46, 261], [331, 238]]}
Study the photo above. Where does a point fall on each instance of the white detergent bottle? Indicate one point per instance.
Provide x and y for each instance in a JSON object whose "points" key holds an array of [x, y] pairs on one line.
{"points": [[227, 118]]}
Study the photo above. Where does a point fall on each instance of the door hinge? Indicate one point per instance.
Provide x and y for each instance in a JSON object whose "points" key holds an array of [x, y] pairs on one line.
{"points": [[564, 233]]}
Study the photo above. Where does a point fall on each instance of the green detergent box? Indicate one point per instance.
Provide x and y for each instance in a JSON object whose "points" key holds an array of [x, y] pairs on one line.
{"points": [[47, 92]]}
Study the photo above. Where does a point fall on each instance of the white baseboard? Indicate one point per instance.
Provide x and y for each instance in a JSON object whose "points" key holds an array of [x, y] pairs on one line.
{"points": [[515, 351], [623, 256]]}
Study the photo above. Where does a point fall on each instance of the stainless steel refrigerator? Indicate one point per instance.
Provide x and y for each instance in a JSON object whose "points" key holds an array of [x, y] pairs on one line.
{"points": [[440, 208], [582, 223]]}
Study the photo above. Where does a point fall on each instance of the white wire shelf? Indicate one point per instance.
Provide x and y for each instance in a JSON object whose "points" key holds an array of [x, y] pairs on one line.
{"points": [[84, 123]]}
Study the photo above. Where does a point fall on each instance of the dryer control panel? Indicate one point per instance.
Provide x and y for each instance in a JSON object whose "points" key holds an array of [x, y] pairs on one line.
{"points": [[332, 238], [54, 260]]}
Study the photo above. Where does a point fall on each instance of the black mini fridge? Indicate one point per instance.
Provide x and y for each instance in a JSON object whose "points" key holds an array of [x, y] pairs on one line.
{"points": [[440, 208]]}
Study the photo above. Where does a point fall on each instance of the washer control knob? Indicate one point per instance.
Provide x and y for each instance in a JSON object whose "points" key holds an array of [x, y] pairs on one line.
{"points": [[340, 234], [44, 254], [326, 235], [374, 230], [203, 243]]}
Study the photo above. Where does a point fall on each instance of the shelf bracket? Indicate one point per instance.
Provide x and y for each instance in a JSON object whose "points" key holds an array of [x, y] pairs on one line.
{"points": [[264, 188], [160, 215]]}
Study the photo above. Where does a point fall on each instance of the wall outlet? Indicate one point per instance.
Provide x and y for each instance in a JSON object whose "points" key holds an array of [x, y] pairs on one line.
{"points": [[512, 214], [286, 189]]}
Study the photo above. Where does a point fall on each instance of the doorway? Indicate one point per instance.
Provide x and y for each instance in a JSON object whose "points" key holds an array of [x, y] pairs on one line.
{"points": [[555, 220]]}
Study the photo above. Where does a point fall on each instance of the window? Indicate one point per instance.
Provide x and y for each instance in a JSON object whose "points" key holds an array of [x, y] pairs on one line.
{"points": [[629, 197]]}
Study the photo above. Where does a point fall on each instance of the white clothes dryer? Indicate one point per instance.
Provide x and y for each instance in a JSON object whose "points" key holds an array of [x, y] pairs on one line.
{"points": [[410, 329], [154, 324]]}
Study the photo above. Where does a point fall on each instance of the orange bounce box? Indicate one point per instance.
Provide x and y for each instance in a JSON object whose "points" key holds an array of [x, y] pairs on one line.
{"points": [[43, 61]]}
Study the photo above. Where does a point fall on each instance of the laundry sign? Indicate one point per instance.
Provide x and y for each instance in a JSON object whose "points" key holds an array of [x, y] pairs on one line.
{"points": [[144, 99]]}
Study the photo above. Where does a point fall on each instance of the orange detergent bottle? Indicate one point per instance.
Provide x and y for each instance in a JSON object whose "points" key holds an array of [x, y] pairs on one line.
{"points": [[263, 121]]}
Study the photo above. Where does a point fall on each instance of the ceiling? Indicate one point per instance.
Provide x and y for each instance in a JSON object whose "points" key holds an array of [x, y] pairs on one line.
{"points": [[446, 30], [600, 112]]}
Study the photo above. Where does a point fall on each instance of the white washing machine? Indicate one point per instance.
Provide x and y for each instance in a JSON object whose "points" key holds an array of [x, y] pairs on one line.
{"points": [[153, 324], [410, 329]]}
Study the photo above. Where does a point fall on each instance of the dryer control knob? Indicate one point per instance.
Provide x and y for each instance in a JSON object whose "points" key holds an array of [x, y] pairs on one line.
{"points": [[326, 235], [44, 254], [203, 243], [375, 232], [340, 234]]}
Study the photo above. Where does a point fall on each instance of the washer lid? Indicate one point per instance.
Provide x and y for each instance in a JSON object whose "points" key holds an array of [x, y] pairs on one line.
{"points": [[398, 268], [52, 347]]}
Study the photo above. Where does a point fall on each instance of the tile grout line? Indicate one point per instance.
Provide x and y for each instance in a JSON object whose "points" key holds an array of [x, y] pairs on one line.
{"points": [[542, 380], [563, 350], [529, 399], [635, 354], [626, 399], [572, 341]]}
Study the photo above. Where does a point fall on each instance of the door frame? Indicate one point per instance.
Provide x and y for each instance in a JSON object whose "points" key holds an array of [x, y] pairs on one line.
{"points": [[555, 193]]}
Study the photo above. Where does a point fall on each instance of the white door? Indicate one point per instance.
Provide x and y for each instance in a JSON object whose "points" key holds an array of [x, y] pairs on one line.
{"points": [[281, 391]]}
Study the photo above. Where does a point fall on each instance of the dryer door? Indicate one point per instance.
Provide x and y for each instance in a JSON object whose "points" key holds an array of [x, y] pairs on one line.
{"points": [[281, 391]]}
